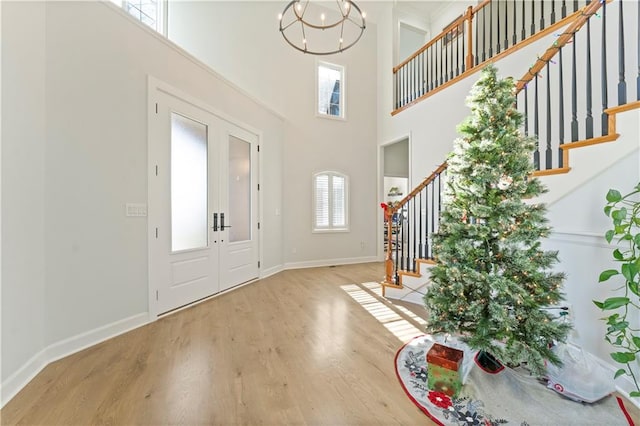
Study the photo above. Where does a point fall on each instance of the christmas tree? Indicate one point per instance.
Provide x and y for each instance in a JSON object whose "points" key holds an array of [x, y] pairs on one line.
{"points": [[492, 282]]}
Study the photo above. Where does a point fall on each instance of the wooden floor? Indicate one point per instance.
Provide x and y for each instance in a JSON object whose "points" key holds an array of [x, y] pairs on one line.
{"points": [[301, 347]]}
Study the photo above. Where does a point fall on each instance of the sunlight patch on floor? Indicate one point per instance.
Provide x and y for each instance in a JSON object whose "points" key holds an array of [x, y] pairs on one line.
{"points": [[390, 319], [413, 316]]}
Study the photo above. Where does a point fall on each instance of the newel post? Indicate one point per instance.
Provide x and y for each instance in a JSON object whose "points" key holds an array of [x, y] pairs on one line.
{"points": [[388, 262], [470, 37]]}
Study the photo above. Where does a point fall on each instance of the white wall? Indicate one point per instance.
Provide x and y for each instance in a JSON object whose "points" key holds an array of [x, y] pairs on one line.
{"points": [[75, 77], [285, 79], [23, 156], [579, 225]]}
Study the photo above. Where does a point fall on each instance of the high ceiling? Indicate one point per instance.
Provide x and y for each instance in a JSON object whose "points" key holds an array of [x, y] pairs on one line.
{"points": [[423, 8]]}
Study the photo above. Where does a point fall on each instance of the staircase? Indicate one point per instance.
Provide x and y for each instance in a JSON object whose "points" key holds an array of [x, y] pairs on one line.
{"points": [[564, 96]]}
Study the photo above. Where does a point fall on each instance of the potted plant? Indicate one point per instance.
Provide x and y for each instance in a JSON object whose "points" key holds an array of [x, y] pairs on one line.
{"points": [[624, 211]]}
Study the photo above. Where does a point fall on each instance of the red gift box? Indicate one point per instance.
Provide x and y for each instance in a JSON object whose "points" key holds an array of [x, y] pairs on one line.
{"points": [[444, 356]]}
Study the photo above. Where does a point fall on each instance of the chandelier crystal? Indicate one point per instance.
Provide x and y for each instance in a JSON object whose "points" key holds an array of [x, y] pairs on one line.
{"points": [[310, 28]]}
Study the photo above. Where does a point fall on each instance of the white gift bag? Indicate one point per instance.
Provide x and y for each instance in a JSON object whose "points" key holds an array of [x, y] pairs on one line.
{"points": [[581, 377]]}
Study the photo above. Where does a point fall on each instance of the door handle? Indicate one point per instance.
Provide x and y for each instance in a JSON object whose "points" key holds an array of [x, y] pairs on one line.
{"points": [[222, 222], [215, 222]]}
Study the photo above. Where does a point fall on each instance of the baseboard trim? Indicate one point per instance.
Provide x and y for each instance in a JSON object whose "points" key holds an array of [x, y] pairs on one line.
{"points": [[271, 271], [18, 380], [330, 262]]}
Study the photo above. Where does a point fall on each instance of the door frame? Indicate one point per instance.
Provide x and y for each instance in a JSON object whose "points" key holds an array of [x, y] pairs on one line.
{"points": [[381, 147], [155, 86]]}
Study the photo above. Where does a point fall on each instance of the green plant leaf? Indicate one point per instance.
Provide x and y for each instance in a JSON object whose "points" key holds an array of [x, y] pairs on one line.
{"points": [[636, 239], [633, 287], [629, 271], [619, 373], [613, 196], [619, 214], [609, 235], [605, 275], [618, 327], [607, 210], [615, 303], [617, 254], [636, 341], [623, 357], [613, 319], [619, 228], [634, 394], [598, 304]]}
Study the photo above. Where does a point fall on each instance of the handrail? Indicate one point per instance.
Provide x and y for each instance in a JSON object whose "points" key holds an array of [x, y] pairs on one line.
{"points": [[481, 5], [430, 43], [467, 15], [417, 78], [564, 38], [442, 167]]}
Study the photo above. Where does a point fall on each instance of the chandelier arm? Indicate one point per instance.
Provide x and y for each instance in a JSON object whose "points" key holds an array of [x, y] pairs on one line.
{"points": [[346, 16], [338, 3], [304, 37], [357, 24], [323, 27], [287, 27]]}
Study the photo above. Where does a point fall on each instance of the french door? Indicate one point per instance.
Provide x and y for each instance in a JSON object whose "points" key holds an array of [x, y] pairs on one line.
{"points": [[203, 219]]}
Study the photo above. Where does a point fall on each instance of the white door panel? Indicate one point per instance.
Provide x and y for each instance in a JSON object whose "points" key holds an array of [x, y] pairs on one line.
{"points": [[201, 168], [239, 201], [183, 264]]}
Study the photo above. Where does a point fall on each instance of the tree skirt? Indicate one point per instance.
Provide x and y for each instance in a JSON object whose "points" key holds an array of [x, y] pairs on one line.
{"points": [[507, 397]]}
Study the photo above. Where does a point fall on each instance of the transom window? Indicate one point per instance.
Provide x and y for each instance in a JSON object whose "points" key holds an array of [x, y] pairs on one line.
{"points": [[330, 202], [330, 90], [149, 12]]}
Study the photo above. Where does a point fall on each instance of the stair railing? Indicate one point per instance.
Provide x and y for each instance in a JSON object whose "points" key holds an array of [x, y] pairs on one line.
{"points": [[487, 31], [566, 95], [410, 223]]}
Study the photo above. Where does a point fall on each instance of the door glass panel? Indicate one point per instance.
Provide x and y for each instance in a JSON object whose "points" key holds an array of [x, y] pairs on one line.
{"points": [[188, 184], [239, 190]]}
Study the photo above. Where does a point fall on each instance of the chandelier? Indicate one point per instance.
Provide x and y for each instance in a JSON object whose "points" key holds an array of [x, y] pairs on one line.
{"points": [[311, 28]]}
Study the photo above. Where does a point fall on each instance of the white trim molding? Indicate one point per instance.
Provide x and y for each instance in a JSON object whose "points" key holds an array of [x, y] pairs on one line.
{"points": [[58, 350], [580, 237], [330, 262]]}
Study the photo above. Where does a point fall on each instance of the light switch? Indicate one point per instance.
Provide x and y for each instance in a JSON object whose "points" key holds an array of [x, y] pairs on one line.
{"points": [[136, 210]]}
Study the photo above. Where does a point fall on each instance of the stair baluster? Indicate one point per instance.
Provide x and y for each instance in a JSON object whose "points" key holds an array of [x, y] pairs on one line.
{"points": [[622, 84], [603, 82], [560, 110]]}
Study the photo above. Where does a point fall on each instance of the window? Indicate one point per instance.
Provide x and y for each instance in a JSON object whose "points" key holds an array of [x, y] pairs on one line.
{"points": [[149, 12], [330, 90], [330, 201], [189, 184]]}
